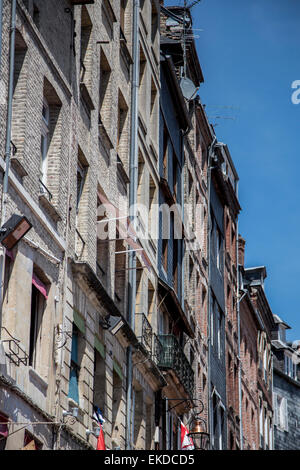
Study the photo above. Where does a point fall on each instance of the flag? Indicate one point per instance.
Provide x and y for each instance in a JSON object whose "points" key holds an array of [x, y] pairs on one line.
{"points": [[186, 441], [100, 442], [97, 416]]}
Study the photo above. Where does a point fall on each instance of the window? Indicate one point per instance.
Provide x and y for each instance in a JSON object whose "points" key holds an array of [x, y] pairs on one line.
{"points": [[81, 176], [175, 176], [152, 217], [154, 109], [265, 361], [99, 381], [149, 426], [219, 244], [203, 384], [165, 235], [123, 4], [75, 367], [212, 329], [51, 141], [141, 290], [261, 432], [281, 334], [165, 254], [165, 153], [219, 331], [102, 242], [143, 84], [137, 417], [117, 400], [86, 56], [7, 273], [3, 431], [266, 429], [290, 368], [192, 355], [154, 22], [38, 297], [19, 96], [105, 93], [122, 127], [151, 301], [36, 16], [281, 412], [44, 142], [218, 423], [31, 443], [80, 183], [120, 274], [175, 263]]}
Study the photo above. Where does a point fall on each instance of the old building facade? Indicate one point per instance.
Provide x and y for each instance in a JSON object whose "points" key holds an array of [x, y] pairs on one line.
{"points": [[257, 324], [69, 173], [128, 298], [285, 388]]}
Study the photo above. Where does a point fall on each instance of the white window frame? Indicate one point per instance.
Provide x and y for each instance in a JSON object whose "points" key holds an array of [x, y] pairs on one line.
{"points": [[281, 412], [290, 367]]}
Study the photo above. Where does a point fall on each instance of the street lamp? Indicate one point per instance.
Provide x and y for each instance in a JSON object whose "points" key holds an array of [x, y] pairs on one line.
{"points": [[13, 230], [198, 433]]}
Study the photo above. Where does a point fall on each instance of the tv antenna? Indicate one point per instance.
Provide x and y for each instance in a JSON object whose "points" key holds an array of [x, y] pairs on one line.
{"points": [[186, 30]]}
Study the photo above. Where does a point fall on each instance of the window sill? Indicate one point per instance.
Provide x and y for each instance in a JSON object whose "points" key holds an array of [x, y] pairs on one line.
{"points": [[17, 165], [37, 379], [73, 404], [85, 95], [49, 208], [105, 134]]}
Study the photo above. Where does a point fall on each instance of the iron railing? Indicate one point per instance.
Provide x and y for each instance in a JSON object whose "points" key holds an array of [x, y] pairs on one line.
{"points": [[45, 190], [13, 351], [173, 357], [143, 331], [157, 348]]}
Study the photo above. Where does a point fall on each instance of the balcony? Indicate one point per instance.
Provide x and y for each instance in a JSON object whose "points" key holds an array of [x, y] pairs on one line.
{"points": [[12, 348], [173, 357], [157, 349], [17, 162], [45, 198], [143, 331]]}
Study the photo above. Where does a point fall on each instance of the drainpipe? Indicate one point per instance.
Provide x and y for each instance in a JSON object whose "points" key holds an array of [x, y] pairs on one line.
{"points": [[210, 411], [8, 138], [1, 21], [132, 202], [239, 333]]}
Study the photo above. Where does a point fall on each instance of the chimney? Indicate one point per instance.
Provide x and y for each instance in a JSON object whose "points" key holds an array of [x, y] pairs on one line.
{"points": [[241, 251]]}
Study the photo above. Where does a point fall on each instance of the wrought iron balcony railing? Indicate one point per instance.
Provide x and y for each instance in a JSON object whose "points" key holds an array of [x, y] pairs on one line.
{"points": [[143, 331], [157, 348], [173, 357], [44, 190], [13, 350]]}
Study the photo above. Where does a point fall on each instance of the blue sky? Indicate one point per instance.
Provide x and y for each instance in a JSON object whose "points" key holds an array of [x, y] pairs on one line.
{"points": [[250, 54]]}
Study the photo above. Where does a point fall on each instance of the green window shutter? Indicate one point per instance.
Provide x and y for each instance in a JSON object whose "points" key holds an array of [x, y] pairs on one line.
{"points": [[100, 347], [79, 321], [118, 369]]}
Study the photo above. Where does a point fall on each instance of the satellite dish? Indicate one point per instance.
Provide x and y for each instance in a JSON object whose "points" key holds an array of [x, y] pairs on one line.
{"points": [[188, 88]]}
